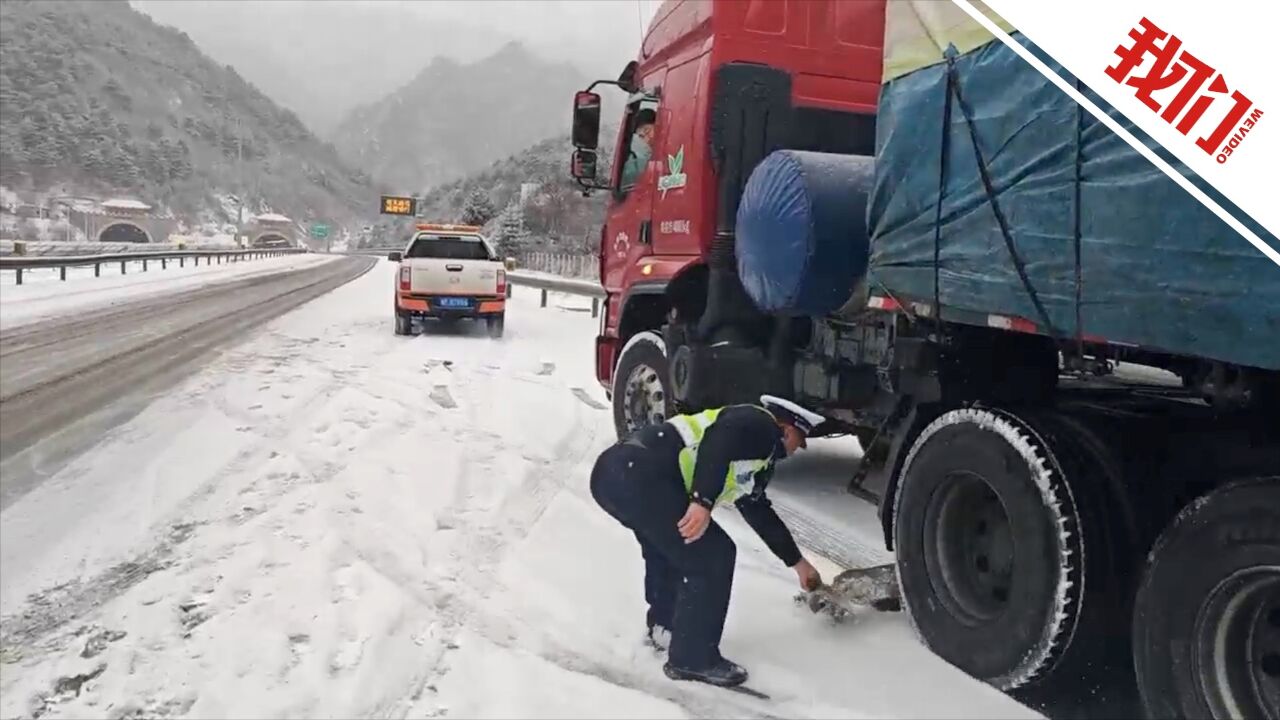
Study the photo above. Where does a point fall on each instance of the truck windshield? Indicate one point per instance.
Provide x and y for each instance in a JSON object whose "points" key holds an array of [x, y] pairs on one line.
{"points": [[448, 248]]}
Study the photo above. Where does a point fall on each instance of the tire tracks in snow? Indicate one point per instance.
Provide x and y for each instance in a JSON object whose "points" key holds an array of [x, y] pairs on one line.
{"points": [[451, 594], [51, 609], [482, 547], [40, 627], [829, 540], [196, 573], [72, 403], [698, 700], [127, 315], [35, 626], [483, 543]]}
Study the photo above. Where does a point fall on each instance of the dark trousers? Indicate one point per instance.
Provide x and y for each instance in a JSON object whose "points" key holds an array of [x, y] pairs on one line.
{"points": [[687, 586]]}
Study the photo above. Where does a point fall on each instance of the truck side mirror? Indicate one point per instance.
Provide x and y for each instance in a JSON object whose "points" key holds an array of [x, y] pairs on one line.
{"points": [[582, 165], [586, 120], [395, 256]]}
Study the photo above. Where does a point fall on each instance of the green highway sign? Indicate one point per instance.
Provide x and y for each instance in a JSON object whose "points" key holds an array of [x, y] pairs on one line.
{"points": [[319, 230]]}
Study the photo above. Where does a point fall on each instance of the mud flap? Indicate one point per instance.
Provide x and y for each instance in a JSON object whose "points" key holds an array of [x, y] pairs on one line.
{"points": [[853, 591]]}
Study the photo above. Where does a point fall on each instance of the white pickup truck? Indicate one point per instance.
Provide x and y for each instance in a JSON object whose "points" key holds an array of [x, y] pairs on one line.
{"points": [[449, 272]]}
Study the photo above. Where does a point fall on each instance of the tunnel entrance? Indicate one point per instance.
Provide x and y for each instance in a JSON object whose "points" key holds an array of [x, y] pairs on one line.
{"points": [[271, 240], [123, 232]]}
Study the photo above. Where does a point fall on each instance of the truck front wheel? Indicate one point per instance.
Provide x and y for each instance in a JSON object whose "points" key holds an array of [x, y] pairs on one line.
{"points": [[641, 384], [1206, 631], [989, 548]]}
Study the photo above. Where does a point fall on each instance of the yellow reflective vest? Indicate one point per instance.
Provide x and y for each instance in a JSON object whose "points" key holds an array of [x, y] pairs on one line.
{"points": [[740, 480]]}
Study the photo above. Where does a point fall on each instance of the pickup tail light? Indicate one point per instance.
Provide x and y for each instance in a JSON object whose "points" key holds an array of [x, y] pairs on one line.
{"points": [[405, 277], [502, 283]]}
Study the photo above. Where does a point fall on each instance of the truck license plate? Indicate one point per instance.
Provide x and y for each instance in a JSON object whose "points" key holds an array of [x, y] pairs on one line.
{"points": [[454, 302]]}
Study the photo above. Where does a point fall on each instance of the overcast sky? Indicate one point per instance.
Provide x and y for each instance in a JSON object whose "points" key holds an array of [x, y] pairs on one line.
{"points": [[593, 33], [321, 58], [583, 29]]}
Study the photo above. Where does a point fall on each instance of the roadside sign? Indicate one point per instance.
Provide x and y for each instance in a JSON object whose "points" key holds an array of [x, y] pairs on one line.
{"points": [[319, 230], [399, 205]]}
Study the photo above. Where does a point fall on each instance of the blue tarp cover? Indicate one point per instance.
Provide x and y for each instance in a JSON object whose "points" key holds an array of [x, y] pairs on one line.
{"points": [[1158, 269], [801, 231]]}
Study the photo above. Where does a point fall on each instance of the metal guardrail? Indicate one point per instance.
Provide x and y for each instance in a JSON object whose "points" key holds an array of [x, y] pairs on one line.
{"points": [[561, 264], [370, 250], [25, 248], [19, 263], [573, 286], [550, 283]]}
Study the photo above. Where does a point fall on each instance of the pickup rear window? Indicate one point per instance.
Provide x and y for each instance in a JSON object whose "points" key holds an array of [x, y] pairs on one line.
{"points": [[447, 247]]}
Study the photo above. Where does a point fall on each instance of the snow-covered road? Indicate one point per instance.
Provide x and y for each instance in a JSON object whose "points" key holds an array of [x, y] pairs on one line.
{"points": [[70, 376], [328, 520], [42, 295]]}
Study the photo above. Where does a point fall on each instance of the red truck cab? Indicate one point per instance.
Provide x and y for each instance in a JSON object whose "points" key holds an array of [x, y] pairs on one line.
{"points": [[729, 81]]}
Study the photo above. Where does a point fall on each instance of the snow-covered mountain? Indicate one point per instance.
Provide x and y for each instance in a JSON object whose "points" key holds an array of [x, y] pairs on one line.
{"points": [[455, 119], [98, 99]]}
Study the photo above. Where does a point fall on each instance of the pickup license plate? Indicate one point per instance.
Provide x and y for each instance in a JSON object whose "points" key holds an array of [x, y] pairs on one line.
{"points": [[457, 303]]}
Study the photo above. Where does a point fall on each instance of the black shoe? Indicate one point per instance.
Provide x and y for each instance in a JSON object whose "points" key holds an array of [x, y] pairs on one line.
{"points": [[720, 674]]}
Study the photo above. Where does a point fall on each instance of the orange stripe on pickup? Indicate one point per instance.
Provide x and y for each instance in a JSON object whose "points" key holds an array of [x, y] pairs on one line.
{"points": [[408, 302]]}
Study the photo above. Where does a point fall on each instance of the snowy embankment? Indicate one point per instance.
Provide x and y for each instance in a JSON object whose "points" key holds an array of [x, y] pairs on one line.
{"points": [[43, 295], [329, 520]]}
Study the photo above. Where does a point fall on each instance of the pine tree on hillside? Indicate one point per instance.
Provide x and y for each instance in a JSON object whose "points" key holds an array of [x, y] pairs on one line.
{"points": [[44, 153], [154, 163], [12, 153], [93, 160], [122, 170], [511, 234], [116, 94], [180, 161], [63, 137], [478, 209]]}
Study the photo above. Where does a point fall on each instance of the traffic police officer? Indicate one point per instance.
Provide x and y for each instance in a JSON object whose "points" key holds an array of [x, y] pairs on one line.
{"points": [[662, 483]]}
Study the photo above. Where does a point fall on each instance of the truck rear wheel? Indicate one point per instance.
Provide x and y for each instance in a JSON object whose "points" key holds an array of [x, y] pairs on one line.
{"points": [[1206, 630], [404, 323], [989, 548], [641, 384], [496, 325]]}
